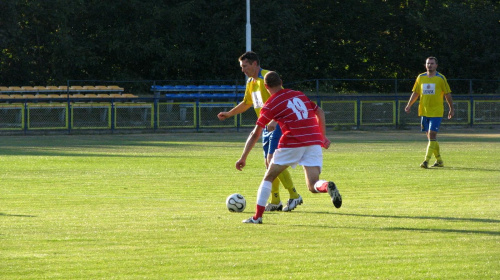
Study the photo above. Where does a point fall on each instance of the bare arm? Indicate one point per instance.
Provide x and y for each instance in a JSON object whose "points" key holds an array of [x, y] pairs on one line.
{"points": [[251, 140], [238, 109], [320, 116], [413, 99], [449, 100], [271, 126]]}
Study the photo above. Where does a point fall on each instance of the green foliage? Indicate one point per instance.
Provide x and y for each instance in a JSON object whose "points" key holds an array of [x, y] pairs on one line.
{"points": [[49, 42], [152, 207]]}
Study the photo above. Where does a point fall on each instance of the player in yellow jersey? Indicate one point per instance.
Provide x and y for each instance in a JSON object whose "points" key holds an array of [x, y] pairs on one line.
{"points": [[431, 87], [256, 95]]}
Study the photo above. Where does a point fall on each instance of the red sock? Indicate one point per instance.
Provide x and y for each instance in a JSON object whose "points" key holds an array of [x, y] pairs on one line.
{"points": [[323, 188], [259, 211]]}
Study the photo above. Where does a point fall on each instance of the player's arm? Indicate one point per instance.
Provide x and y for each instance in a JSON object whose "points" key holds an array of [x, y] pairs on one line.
{"points": [[449, 100], [320, 116], [271, 126], [413, 99], [238, 109], [251, 141]]}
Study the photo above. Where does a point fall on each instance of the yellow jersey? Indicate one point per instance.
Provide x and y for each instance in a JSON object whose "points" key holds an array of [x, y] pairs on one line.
{"points": [[256, 93], [431, 91]]}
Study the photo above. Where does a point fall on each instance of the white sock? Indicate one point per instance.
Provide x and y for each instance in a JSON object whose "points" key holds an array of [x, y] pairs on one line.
{"points": [[264, 192]]}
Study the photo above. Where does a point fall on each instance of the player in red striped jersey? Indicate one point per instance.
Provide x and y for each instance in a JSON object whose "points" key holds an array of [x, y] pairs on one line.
{"points": [[303, 126], [256, 95]]}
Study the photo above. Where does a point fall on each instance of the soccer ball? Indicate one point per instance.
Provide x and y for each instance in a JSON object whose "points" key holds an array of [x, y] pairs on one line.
{"points": [[236, 203]]}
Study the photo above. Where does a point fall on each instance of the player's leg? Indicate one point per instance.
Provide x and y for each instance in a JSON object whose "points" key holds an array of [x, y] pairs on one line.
{"points": [[284, 177], [312, 162], [434, 125], [425, 122], [439, 161], [321, 186], [275, 204], [264, 191], [314, 184], [295, 198], [431, 146], [431, 126]]}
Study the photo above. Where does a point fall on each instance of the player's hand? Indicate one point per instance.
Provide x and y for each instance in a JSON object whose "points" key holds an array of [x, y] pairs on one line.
{"points": [[407, 109], [451, 113], [326, 143], [271, 126], [240, 164], [223, 115]]}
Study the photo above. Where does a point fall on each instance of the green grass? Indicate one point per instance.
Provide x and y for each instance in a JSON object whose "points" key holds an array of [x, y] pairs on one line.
{"points": [[153, 207]]}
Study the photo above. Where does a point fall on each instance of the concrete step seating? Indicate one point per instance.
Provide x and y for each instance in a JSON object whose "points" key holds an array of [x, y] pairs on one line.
{"points": [[192, 92], [54, 92]]}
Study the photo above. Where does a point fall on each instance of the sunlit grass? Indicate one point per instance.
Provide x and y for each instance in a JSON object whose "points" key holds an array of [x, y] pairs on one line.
{"points": [[152, 206]]}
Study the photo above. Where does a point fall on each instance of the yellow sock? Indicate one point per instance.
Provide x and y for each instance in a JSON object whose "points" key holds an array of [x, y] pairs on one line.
{"points": [[436, 151], [430, 150], [286, 180], [275, 192]]}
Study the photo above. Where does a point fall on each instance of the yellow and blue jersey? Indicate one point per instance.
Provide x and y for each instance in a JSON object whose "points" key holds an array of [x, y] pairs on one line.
{"points": [[256, 93], [431, 91]]}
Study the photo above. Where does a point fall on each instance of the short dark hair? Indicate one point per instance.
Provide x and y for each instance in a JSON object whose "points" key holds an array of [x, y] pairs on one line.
{"points": [[250, 56], [272, 79], [433, 57]]}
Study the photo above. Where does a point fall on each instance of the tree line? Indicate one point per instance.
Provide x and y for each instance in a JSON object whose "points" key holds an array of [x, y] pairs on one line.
{"points": [[47, 42]]}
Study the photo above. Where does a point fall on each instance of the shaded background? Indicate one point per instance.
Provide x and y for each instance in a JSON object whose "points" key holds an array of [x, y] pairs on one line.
{"points": [[47, 42]]}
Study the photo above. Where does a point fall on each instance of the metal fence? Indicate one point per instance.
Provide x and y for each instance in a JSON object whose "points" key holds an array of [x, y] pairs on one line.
{"points": [[389, 86], [166, 114]]}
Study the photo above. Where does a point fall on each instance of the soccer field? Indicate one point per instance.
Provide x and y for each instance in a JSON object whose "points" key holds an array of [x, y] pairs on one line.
{"points": [[153, 207]]}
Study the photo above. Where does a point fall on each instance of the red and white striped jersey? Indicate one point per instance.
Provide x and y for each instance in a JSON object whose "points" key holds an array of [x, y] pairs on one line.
{"points": [[296, 116]]}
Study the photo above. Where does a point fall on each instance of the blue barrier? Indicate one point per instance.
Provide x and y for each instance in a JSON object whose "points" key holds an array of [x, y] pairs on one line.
{"points": [[200, 92], [200, 88]]}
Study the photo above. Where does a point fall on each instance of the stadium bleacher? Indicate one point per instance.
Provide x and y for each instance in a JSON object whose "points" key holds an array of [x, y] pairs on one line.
{"points": [[178, 92], [54, 92]]}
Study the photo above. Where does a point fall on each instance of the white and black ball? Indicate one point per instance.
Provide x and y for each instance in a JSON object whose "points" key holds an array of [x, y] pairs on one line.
{"points": [[236, 203]]}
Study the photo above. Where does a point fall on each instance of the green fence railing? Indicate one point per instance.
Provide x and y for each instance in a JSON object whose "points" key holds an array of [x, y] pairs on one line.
{"points": [[162, 114]]}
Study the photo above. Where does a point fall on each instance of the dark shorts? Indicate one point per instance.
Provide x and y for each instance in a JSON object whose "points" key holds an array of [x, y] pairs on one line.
{"points": [[270, 140], [430, 124]]}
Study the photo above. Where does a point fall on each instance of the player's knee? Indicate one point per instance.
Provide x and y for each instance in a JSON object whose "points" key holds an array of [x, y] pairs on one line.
{"points": [[269, 177]]}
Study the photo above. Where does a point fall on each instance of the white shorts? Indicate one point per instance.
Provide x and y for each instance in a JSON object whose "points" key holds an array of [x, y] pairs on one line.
{"points": [[305, 156]]}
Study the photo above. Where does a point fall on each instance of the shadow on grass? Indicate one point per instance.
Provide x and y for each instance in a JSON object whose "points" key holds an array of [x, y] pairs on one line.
{"points": [[474, 169], [59, 153], [430, 230], [422, 218], [16, 215], [442, 230]]}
